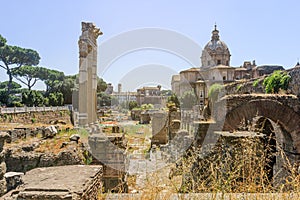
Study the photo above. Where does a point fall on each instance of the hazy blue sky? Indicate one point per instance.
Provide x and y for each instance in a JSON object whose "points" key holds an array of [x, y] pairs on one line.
{"points": [[266, 30]]}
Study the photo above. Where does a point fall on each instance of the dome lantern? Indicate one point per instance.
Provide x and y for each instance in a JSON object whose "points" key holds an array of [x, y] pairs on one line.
{"points": [[215, 52]]}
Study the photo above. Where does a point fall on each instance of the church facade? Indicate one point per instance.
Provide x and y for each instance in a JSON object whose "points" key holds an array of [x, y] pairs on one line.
{"points": [[215, 68]]}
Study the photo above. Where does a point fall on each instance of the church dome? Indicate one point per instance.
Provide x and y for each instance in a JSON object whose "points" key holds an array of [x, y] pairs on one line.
{"points": [[215, 52], [216, 45]]}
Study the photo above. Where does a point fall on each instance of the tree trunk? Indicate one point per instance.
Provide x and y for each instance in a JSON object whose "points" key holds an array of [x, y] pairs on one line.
{"points": [[10, 78]]}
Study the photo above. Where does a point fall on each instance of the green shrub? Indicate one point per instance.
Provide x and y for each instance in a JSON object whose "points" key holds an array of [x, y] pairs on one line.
{"points": [[255, 83], [33, 120], [276, 81], [238, 88], [215, 91]]}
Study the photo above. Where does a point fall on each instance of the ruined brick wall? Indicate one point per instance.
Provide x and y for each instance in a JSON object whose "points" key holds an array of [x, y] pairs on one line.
{"points": [[44, 117], [294, 86], [95, 186], [249, 86], [233, 101], [245, 87]]}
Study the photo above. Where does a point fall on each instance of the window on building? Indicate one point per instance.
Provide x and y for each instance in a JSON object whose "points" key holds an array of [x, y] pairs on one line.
{"points": [[227, 63], [219, 62], [224, 78], [208, 63], [213, 78]]}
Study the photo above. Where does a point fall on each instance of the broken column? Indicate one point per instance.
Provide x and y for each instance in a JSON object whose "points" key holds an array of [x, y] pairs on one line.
{"points": [[87, 94]]}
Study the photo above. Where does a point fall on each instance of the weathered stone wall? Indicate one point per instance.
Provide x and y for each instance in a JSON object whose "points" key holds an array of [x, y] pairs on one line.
{"points": [[204, 131], [44, 117], [22, 158], [233, 101], [294, 85], [3, 137], [281, 109], [245, 87], [248, 86]]}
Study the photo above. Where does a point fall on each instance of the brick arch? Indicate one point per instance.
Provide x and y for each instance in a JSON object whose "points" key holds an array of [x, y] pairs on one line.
{"points": [[274, 110]]}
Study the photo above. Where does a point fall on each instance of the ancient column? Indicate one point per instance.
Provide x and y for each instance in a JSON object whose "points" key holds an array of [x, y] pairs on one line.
{"points": [[87, 94]]}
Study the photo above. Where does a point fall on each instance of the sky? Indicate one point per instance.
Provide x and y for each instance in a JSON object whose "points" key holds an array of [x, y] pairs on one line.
{"points": [[145, 42]]}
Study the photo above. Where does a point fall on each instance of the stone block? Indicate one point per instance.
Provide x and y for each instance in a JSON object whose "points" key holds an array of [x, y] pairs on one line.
{"points": [[61, 183]]}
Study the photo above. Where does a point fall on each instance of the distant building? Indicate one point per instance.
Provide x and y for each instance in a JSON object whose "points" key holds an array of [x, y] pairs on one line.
{"points": [[215, 68], [149, 95], [245, 71], [124, 96], [119, 88], [215, 60]]}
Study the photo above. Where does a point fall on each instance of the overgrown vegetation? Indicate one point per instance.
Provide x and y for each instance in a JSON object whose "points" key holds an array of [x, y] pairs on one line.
{"points": [[173, 99], [215, 91], [244, 166], [238, 88], [279, 80], [255, 83]]}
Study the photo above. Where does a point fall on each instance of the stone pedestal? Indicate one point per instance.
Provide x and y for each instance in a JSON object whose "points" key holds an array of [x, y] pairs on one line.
{"points": [[110, 151], [159, 128]]}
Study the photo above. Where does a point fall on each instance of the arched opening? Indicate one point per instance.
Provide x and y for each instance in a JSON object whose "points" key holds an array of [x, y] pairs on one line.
{"points": [[283, 115], [276, 120], [264, 126]]}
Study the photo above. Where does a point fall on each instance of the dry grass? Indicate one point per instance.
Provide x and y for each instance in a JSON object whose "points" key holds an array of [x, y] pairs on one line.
{"points": [[241, 168]]}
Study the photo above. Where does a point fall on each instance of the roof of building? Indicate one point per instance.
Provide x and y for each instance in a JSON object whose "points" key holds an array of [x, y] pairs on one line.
{"points": [[222, 67], [149, 88], [124, 93], [200, 81], [241, 69], [193, 69]]}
